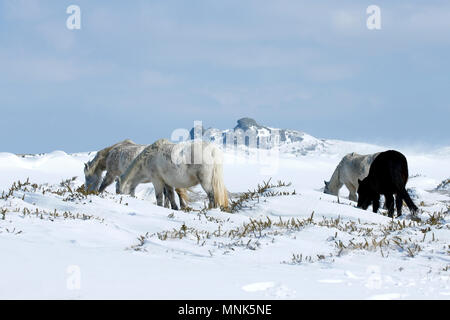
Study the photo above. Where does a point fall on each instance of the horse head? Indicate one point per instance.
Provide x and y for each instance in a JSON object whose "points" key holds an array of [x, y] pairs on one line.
{"points": [[92, 178], [123, 186], [118, 185], [326, 189], [365, 195]]}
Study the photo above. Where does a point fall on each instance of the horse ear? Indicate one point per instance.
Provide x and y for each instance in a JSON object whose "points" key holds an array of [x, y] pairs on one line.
{"points": [[326, 183], [85, 165]]}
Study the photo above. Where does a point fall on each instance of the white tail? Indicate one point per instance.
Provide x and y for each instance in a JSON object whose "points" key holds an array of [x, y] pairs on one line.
{"points": [[182, 192], [220, 192]]}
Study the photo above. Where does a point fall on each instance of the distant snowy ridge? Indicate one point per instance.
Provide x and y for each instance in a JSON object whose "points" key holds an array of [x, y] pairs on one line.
{"points": [[444, 185], [250, 126], [287, 141]]}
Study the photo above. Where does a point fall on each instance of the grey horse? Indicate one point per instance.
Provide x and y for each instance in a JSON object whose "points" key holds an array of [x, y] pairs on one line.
{"points": [[351, 168], [115, 160]]}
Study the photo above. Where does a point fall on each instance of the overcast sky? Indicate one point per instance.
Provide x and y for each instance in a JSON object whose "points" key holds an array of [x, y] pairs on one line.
{"points": [[139, 69]]}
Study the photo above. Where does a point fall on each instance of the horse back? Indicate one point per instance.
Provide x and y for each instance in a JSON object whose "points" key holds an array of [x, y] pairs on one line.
{"points": [[355, 166], [389, 171], [183, 165], [120, 157]]}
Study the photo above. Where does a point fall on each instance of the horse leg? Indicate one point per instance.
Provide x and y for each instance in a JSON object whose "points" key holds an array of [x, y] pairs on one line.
{"points": [[133, 191], [210, 193], [390, 204], [166, 198], [109, 178], [170, 197], [376, 204], [182, 203], [399, 204], [212, 202], [159, 191], [133, 186], [352, 196]]}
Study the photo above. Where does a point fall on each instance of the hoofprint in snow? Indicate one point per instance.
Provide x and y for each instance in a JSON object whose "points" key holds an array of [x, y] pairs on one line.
{"points": [[286, 240]]}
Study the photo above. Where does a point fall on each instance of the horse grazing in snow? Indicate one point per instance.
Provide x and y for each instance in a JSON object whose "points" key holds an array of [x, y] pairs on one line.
{"points": [[115, 160], [351, 168], [182, 165], [388, 175]]}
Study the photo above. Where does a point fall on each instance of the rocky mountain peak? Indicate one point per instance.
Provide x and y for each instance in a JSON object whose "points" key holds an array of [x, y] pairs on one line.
{"points": [[247, 123], [291, 141]]}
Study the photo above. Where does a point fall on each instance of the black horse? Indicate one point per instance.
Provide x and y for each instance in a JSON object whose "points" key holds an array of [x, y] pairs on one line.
{"points": [[388, 175]]}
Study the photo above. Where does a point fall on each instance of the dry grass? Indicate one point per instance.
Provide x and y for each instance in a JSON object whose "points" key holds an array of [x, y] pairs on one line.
{"points": [[65, 189], [262, 190], [409, 238]]}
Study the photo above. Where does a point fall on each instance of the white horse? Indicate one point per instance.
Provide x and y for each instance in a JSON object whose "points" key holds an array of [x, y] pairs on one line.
{"points": [[182, 165], [351, 168], [115, 160]]}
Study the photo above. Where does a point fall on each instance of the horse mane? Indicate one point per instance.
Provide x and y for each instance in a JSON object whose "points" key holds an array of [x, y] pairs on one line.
{"points": [[99, 160], [334, 180], [335, 177]]}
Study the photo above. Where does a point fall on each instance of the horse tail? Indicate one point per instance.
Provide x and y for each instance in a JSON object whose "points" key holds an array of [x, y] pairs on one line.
{"points": [[400, 178], [220, 192], [182, 193]]}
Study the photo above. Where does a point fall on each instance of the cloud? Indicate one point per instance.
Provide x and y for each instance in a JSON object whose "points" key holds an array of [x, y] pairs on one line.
{"points": [[348, 21], [254, 98], [26, 68], [157, 79], [56, 36], [327, 73], [24, 10], [41, 69], [424, 23]]}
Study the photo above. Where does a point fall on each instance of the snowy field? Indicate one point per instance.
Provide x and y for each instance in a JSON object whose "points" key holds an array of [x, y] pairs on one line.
{"points": [[285, 241]]}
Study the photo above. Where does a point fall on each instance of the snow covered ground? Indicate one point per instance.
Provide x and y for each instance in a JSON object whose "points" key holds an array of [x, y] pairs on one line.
{"points": [[289, 242]]}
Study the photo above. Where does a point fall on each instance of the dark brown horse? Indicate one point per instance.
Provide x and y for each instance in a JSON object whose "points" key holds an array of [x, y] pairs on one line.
{"points": [[388, 175]]}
